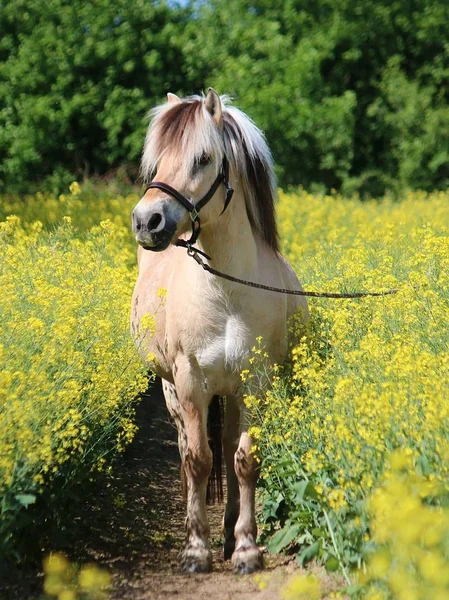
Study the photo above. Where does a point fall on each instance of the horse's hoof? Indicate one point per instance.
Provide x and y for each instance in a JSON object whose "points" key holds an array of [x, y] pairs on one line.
{"points": [[247, 560], [195, 559]]}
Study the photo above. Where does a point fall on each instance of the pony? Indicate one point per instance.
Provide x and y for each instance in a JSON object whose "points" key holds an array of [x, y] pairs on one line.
{"points": [[214, 177]]}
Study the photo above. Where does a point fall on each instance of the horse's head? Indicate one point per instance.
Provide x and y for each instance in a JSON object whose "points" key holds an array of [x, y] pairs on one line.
{"points": [[184, 148]]}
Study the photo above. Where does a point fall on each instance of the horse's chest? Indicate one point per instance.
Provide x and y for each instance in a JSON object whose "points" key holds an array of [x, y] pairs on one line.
{"points": [[225, 348]]}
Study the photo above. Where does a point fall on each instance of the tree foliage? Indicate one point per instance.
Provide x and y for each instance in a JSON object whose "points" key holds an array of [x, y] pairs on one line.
{"points": [[351, 95], [76, 81]]}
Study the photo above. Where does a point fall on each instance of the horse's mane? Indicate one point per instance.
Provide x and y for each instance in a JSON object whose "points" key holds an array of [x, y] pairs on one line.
{"points": [[188, 128]]}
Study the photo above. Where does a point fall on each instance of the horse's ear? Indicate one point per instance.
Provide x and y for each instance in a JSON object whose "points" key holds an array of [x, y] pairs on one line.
{"points": [[173, 99], [213, 105]]}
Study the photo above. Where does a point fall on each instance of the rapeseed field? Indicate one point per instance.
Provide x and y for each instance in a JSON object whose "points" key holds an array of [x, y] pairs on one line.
{"points": [[352, 435], [70, 374]]}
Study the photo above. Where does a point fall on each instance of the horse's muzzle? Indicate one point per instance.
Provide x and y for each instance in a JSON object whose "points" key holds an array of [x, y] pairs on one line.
{"points": [[154, 225]]}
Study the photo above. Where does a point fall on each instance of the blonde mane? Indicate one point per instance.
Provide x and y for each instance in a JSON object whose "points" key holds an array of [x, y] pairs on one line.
{"points": [[187, 129]]}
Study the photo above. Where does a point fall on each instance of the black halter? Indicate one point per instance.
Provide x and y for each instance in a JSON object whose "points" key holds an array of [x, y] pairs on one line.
{"points": [[194, 209]]}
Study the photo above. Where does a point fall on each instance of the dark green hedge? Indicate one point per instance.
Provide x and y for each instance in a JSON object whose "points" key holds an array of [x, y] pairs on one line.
{"points": [[76, 81], [352, 95]]}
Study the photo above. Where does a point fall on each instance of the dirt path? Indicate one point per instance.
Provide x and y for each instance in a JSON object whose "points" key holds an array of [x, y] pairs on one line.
{"points": [[133, 525]]}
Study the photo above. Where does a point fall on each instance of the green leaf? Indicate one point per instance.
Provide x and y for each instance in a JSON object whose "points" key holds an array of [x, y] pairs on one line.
{"points": [[282, 538], [25, 499], [308, 553], [332, 564], [423, 465], [304, 489], [271, 507]]}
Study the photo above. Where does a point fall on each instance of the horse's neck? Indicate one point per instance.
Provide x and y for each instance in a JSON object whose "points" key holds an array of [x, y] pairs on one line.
{"points": [[230, 241]]}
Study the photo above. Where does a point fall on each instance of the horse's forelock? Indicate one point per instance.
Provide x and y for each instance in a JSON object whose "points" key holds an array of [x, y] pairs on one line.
{"points": [[186, 129]]}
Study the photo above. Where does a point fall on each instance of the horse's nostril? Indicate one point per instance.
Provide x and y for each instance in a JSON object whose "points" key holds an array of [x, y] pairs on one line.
{"points": [[138, 226], [154, 222]]}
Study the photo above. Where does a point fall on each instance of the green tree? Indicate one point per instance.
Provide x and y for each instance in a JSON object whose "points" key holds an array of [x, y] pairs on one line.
{"points": [[76, 81], [351, 95]]}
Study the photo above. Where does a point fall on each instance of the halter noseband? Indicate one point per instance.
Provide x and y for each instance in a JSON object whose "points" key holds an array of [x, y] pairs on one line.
{"points": [[194, 209]]}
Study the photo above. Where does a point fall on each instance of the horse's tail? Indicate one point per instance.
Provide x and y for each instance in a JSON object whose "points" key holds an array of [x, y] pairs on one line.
{"points": [[214, 429]]}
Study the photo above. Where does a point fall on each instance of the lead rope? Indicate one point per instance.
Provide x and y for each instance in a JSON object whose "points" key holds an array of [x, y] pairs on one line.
{"points": [[194, 253]]}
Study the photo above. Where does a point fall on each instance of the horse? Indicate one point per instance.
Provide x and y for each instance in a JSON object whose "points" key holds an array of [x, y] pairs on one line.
{"points": [[214, 181]]}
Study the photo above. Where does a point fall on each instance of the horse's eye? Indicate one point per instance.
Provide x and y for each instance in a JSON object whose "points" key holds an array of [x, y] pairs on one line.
{"points": [[204, 160]]}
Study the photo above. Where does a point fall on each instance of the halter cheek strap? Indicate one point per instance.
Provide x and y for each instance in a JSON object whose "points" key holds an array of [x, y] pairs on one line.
{"points": [[194, 209]]}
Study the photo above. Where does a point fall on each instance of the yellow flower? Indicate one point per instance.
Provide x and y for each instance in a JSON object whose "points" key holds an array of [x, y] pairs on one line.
{"points": [[262, 580], [302, 587], [67, 595], [91, 578], [74, 188]]}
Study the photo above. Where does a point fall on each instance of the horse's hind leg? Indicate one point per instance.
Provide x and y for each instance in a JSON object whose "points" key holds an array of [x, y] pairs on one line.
{"points": [[196, 456], [247, 557], [230, 444]]}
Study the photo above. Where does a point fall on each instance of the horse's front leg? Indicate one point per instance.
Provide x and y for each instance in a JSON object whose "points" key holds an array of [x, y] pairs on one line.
{"points": [[191, 420], [247, 557]]}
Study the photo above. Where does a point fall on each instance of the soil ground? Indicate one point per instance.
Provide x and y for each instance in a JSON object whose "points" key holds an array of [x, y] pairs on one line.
{"points": [[132, 524]]}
